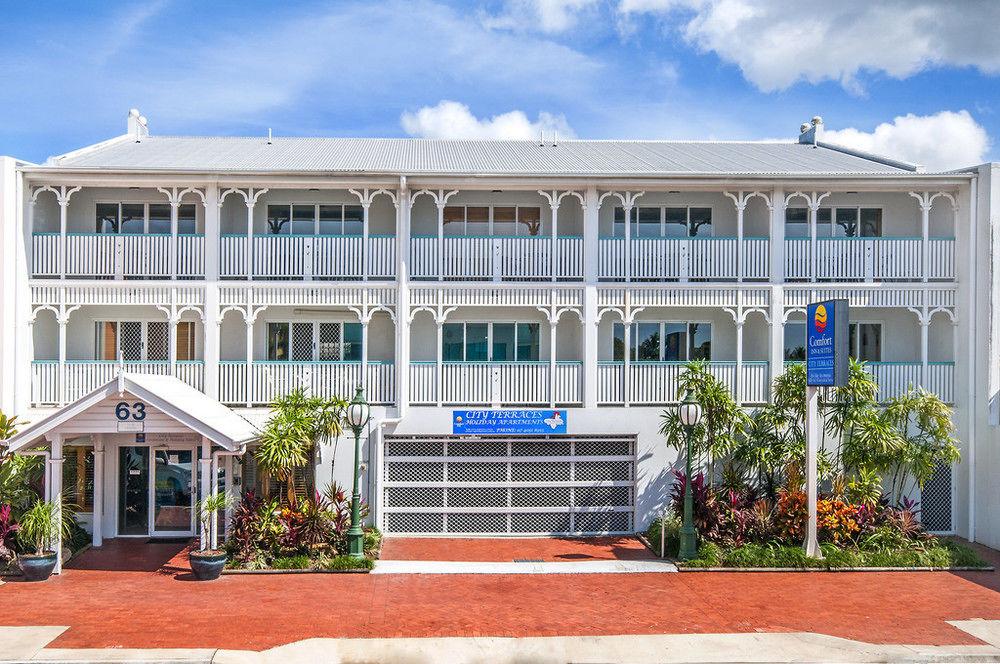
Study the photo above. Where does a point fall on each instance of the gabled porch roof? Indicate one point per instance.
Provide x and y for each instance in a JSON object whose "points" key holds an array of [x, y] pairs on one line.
{"points": [[173, 397]]}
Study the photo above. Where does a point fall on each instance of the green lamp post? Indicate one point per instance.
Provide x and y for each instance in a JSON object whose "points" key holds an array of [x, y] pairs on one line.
{"points": [[689, 412], [358, 413]]}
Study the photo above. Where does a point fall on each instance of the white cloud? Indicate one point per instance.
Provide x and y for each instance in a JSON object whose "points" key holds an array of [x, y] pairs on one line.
{"points": [[549, 16], [941, 141], [451, 119], [777, 43]]}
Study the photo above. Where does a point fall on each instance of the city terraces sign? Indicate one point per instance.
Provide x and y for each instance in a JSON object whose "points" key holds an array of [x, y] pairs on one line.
{"points": [[515, 421]]}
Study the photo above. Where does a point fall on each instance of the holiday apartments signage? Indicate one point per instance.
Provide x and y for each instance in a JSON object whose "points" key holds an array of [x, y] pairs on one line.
{"points": [[511, 422]]}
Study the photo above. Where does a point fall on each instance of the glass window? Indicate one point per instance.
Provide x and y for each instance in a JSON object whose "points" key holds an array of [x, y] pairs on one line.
{"points": [[303, 220], [503, 342], [454, 221], [529, 221], [279, 219], [618, 229], [701, 222], [795, 342], [871, 222], [646, 342], [331, 220], [847, 223], [187, 219], [477, 342], [159, 218], [700, 337], [865, 340], [675, 222], [353, 339], [796, 222], [823, 223], [528, 336], [675, 344], [504, 221], [618, 342], [354, 220], [477, 221], [78, 477], [277, 341], [107, 217], [453, 342], [649, 222], [133, 218]]}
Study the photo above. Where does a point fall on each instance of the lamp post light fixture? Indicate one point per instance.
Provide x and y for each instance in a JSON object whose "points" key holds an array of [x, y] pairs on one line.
{"points": [[689, 412], [358, 414]]}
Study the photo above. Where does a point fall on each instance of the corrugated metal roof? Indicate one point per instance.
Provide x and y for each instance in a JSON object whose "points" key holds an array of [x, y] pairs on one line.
{"points": [[471, 157]]}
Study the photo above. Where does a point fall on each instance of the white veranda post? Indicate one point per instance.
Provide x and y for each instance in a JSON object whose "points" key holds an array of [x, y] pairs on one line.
{"points": [[813, 435]]}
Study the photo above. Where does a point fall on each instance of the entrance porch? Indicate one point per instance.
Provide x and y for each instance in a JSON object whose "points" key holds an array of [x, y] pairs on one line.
{"points": [[139, 453]]}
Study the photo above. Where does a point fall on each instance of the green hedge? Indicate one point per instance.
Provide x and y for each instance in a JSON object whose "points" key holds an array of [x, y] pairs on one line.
{"points": [[934, 553]]}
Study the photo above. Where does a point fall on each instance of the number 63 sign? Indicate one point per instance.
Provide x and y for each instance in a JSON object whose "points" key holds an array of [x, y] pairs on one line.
{"points": [[135, 411]]}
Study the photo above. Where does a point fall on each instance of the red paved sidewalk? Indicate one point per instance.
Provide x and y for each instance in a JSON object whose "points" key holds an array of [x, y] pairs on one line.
{"points": [[507, 549], [166, 608]]}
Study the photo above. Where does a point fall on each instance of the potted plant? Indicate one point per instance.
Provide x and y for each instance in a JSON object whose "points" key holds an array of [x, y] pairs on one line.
{"points": [[207, 564], [39, 529]]}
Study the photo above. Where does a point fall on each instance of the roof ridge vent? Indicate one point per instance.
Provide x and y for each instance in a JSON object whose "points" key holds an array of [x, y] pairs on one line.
{"points": [[137, 125], [810, 133], [269, 137]]}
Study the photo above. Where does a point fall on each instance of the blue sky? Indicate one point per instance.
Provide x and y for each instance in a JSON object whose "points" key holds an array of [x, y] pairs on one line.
{"points": [[674, 69]]}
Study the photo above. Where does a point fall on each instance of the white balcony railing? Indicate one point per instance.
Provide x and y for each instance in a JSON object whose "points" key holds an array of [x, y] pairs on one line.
{"points": [[652, 383], [309, 257], [269, 380], [895, 378], [84, 376], [870, 259], [497, 258], [683, 258], [105, 255], [496, 383]]}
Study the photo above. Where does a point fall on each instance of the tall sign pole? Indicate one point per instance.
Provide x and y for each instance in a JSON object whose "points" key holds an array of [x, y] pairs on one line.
{"points": [[827, 365]]}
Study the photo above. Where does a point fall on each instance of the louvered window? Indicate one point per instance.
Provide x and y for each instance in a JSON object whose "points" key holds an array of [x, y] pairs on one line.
{"points": [[262, 484], [78, 477]]}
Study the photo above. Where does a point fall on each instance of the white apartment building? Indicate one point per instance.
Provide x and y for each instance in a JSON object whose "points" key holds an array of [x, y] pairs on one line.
{"points": [[444, 275]]}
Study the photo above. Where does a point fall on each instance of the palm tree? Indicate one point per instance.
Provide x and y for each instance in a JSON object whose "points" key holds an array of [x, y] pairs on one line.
{"points": [[297, 424]]}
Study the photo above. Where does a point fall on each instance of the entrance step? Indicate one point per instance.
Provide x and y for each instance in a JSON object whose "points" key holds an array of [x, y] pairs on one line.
{"points": [[570, 567]]}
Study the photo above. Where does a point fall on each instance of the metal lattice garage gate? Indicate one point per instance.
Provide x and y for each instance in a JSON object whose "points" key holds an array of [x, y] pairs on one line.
{"points": [[493, 485]]}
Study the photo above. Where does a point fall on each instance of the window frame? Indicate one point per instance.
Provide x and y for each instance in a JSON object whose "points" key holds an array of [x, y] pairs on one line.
{"points": [[489, 341], [491, 231], [145, 218], [99, 331], [663, 221], [833, 222], [662, 332], [316, 205], [315, 323]]}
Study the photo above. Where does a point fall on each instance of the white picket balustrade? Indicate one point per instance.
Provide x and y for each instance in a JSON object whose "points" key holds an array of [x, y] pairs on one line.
{"points": [[270, 380], [496, 258], [659, 258], [652, 383], [309, 257], [90, 255], [84, 376], [496, 383], [870, 259], [895, 378]]}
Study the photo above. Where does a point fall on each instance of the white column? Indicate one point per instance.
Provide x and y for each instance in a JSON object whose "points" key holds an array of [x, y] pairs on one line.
{"points": [[250, 247], [627, 366], [552, 363], [210, 321], [402, 322], [175, 203], [205, 469], [776, 356], [628, 242], [591, 227], [97, 539], [440, 239], [56, 477], [213, 231], [814, 433], [924, 365], [364, 358], [63, 320], [438, 368], [813, 214], [554, 251], [739, 382], [925, 245], [777, 239], [63, 201], [213, 527], [740, 208], [30, 233], [249, 360], [365, 249], [172, 343]]}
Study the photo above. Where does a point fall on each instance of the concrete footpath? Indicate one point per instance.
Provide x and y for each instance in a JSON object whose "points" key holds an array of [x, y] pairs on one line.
{"points": [[30, 644]]}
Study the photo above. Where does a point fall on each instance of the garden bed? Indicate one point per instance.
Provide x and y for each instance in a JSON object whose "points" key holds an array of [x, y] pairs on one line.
{"points": [[311, 565]]}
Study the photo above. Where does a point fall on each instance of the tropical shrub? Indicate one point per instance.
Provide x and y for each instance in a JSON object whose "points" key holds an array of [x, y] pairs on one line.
{"points": [[41, 526]]}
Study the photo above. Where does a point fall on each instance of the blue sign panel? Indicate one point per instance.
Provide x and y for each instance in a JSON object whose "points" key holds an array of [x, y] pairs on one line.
{"points": [[516, 422], [826, 343]]}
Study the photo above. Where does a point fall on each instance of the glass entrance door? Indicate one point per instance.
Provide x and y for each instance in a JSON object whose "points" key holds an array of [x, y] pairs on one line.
{"points": [[172, 492], [133, 491]]}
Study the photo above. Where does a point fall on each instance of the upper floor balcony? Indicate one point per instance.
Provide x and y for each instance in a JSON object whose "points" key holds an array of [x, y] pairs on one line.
{"points": [[494, 236]]}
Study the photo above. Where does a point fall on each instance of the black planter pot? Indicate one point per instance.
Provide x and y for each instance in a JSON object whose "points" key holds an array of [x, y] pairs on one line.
{"points": [[37, 568], [207, 565]]}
